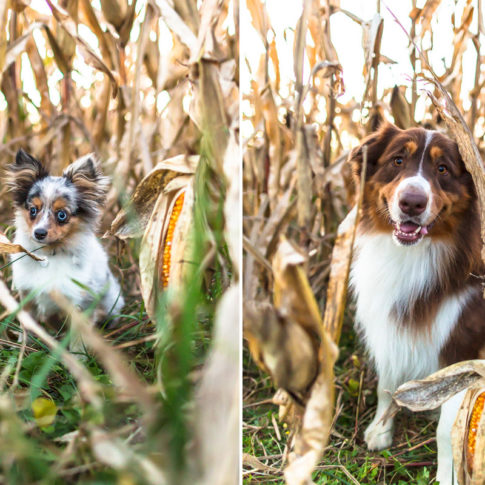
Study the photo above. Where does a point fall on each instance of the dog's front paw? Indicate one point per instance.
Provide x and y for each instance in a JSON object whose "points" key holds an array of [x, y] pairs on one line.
{"points": [[378, 436]]}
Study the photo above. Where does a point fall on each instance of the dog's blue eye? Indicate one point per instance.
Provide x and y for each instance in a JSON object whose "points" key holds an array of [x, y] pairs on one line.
{"points": [[398, 161], [61, 216], [33, 211]]}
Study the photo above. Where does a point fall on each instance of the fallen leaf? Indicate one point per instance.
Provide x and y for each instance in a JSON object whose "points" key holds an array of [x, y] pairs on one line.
{"points": [[44, 411]]}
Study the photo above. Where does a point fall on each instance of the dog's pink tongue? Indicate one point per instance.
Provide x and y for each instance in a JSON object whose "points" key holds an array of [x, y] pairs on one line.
{"points": [[409, 227]]}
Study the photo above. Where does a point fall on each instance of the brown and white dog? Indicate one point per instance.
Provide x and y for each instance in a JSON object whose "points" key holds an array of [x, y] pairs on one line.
{"points": [[415, 274]]}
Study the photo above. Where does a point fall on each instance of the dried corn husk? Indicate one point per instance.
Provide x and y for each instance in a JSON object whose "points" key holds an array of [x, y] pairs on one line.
{"points": [[133, 221], [468, 437], [468, 434], [164, 235], [161, 210]]}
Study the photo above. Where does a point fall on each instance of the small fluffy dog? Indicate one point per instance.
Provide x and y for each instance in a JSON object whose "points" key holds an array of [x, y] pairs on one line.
{"points": [[416, 269], [59, 215]]}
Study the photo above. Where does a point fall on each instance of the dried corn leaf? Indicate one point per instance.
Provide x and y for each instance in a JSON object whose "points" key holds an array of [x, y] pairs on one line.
{"points": [[232, 206], [314, 433], [69, 26], [284, 341], [3, 30], [18, 46], [117, 454], [20, 5], [126, 27], [299, 49], [304, 180], [61, 61], [217, 398], [151, 60], [400, 109], [467, 147], [459, 437], [425, 14], [7, 247], [273, 54], [210, 12], [184, 34], [133, 126], [434, 390], [147, 193], [315, 430], [293, 296], [252, 462], [339, 274], [372, 34], [312, 437], [259, 18], [91, 58], [454, 72], [273, 131], [38, 68], [340, 265], [187, 9], [114, 12], [295, 301], [213, 118], [281, 347], [371, 37], [173, 65], [105, 39]]}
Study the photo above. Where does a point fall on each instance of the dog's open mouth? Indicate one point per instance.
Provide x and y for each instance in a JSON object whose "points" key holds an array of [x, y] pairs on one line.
{"points": [[409, 232]]}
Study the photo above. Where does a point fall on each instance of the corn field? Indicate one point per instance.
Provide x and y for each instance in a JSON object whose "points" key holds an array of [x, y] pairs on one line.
{"points": [[151, 88], [414, 65]]}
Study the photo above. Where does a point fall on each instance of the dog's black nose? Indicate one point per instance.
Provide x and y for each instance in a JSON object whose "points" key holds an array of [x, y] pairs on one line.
{"points": [[40, 234], [413, 202]]}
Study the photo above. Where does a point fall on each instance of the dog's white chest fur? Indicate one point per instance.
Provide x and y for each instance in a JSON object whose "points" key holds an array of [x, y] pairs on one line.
{"points": [[385, 276]]}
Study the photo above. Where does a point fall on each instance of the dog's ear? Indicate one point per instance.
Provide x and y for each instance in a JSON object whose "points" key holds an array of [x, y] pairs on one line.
{"points": [[22, 175], [85, 174], [376, 144]]}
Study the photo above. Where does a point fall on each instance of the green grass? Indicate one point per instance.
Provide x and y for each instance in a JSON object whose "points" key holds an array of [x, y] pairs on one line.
{"points": [[412, 459], [61, 452], [31, 454]]}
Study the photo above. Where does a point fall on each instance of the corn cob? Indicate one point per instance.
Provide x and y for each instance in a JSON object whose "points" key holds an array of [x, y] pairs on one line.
{"points": [[473, 429], [167, 247]]}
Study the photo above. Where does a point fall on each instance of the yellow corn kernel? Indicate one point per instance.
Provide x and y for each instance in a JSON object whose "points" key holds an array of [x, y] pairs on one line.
{"points": [[473, 429], [167, 247]]}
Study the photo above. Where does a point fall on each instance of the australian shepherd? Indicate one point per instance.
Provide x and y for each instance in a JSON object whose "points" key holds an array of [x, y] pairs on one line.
{"points": [[416, 274]]}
